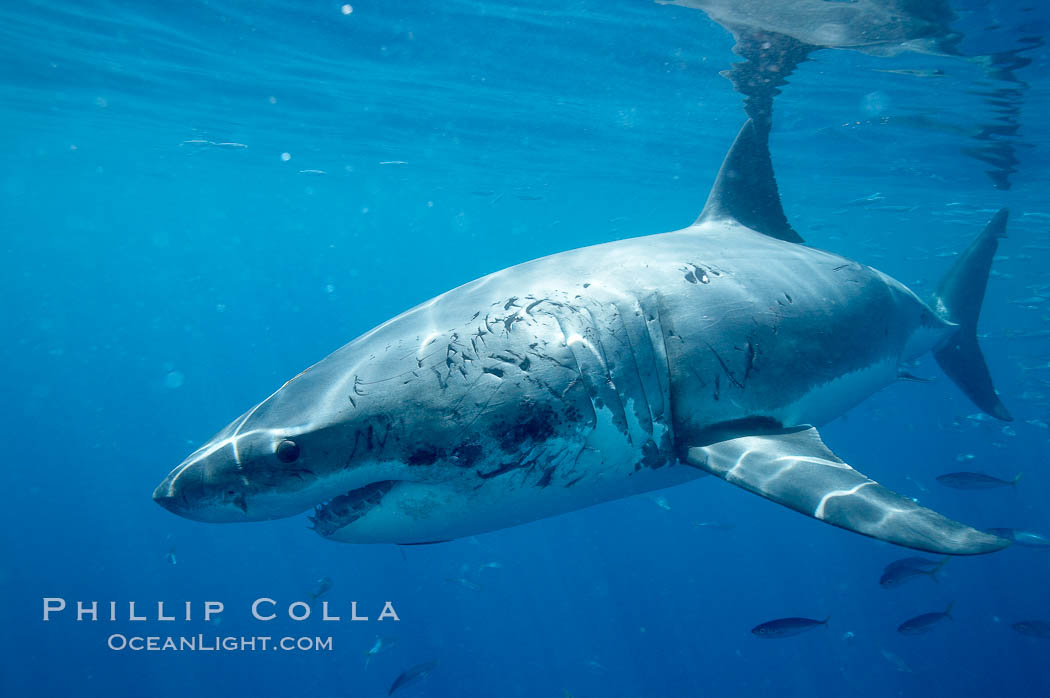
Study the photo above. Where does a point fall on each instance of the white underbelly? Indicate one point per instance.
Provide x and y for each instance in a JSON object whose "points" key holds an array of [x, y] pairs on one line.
{"points": [[830, 400]]}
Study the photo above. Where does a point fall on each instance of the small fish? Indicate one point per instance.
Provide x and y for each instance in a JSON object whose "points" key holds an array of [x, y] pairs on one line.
{"points": [[1033, 628], [900, 571], [914, 72], [490, 566], [1029, 539], [313, 172], [323, 585], [662, 503], [715, 525], [416, 673], [170, 555], [595, 665], [924, 623], [1036, 367], [464, 582], [974, 481], [380, 644], [1021, 334], [786, 627], [919, 485], [894, 208], [393, 162], [865, 200], [898, 663], [230, 145], [1030, 300]]}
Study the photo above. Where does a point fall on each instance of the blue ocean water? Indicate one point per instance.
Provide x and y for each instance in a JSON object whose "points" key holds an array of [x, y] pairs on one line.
{"points": [[201, 199]]}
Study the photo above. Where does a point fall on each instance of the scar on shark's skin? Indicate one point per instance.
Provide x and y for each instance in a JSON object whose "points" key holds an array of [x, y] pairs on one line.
{"points": [[725, 368], [749, 365], [603, 372]]}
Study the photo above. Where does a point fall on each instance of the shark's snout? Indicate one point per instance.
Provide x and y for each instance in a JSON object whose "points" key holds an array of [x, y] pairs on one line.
{"points": [[191, 491], [163, 496], [258, 474]]}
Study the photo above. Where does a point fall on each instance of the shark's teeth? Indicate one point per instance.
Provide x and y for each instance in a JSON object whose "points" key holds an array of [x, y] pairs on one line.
{"points": [[343, 510]]}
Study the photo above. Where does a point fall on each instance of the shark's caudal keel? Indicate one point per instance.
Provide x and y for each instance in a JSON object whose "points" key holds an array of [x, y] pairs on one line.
{"points": [[603, 372]]}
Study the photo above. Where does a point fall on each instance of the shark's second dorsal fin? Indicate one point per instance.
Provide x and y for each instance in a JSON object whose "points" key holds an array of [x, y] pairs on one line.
{"points": [[746, 191]]}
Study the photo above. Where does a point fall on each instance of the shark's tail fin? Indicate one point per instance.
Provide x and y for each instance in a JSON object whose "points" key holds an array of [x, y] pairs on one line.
{"points": [[959, 299]]}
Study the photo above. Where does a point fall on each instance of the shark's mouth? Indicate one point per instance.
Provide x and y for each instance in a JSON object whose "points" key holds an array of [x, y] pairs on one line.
{"points": [[343, 510]]}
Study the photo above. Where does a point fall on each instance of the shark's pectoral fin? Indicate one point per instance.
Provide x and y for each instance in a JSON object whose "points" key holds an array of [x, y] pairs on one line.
{"points": [[793, 467]]}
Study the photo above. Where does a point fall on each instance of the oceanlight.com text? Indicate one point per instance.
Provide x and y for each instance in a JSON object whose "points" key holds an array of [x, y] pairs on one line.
{"points": [[216, 643]]}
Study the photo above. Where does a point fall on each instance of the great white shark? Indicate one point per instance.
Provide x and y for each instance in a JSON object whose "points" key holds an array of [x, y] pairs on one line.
{"points": [[603, 372]]}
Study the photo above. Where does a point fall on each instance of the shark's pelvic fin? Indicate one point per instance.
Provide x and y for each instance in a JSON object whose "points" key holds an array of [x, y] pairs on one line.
{"points": [[746, 190], [793, 467], [958, 300]]}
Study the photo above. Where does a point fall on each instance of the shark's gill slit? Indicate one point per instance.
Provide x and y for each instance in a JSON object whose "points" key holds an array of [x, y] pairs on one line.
{"points": [[343, 510]]}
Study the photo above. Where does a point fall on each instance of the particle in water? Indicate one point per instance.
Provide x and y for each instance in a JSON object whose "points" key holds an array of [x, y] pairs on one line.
{"points": [[285, 157], [875, 103], [174, 379]]}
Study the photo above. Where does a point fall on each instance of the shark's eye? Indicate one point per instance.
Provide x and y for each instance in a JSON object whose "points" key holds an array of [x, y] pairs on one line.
{"points": [[287, 451]]}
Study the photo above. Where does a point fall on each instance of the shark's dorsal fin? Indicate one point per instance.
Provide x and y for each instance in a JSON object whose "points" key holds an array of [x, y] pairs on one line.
{"points": [[746, 191]]}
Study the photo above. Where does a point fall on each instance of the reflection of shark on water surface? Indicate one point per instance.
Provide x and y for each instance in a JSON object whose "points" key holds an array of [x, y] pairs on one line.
{"points": [[774, 37], [603, 372], [878, 27]]}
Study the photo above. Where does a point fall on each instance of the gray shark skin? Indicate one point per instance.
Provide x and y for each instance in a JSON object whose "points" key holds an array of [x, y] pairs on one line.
{"points": [[587, 376]]}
